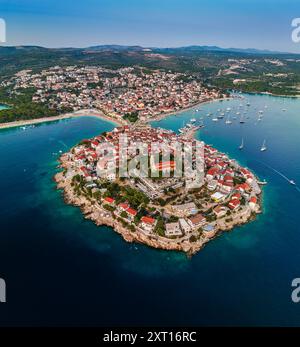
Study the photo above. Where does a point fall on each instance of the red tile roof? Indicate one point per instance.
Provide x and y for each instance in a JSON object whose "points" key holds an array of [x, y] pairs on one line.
{"points": [[109, 200], [132, 211], [124, 206], [148, 220], [234, 203]]}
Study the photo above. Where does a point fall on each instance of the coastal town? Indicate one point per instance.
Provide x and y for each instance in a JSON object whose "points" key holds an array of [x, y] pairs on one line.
{"points": [[160, 209], [171, 204], [131, 92]]}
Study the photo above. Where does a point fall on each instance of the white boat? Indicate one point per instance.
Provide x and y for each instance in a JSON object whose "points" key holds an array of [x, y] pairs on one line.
{"points": [[292, 182], [228, 121], [228, 109], [242, 120], [263, 147], [238, 113], [193, 120], [248, 104], [284, 110], [242, 145], [215, 119]]}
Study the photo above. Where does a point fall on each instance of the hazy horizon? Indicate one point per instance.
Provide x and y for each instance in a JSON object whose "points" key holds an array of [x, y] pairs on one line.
{"points": [[152, 23]]}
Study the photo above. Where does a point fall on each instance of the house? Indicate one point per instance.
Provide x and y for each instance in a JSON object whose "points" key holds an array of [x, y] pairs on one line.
{"points": [[234, 204], [108, 200], [173, 229], [211, 173], [236, 196], [165, 166], [123, 207], [253, 202], [209, 230], [218, 197], [197, 220], [220, 211], [147, 223], [184, 225], [226, 187], [131, 214], [212, 185], [243, 187]]}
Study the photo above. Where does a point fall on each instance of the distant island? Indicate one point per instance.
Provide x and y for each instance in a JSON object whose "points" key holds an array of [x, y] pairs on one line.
{"points": [[159, 209]]}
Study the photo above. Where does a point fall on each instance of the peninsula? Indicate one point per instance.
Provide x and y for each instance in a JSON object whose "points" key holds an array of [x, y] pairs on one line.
{"points": [[160, 209]]}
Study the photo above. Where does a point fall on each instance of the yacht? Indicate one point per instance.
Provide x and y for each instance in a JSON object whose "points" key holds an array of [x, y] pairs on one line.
{"points": [[263, 147], [215, 119], [292, 182]]}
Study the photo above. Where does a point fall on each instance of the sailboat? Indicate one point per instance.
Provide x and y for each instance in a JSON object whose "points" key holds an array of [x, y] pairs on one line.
{"points": [[242, 144], [228, 121], [263, 147]]}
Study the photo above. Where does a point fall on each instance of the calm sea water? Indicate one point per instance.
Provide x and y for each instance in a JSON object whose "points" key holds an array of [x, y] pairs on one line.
{"points": [[61, 269]]}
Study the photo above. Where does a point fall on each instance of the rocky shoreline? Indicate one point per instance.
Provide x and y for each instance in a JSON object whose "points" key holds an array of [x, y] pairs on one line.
{"points": [[93, 211], [100, 217]]}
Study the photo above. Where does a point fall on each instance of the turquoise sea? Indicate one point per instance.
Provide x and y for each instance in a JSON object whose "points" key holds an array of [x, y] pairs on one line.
{"points": [[61, 269]]}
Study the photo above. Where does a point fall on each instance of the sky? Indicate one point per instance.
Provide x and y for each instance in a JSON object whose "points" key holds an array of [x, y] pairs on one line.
{"points": [[262, 24]]}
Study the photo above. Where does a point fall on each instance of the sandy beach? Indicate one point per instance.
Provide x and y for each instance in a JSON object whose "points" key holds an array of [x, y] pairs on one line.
{"points": [[100, 114], [80, 113]]}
